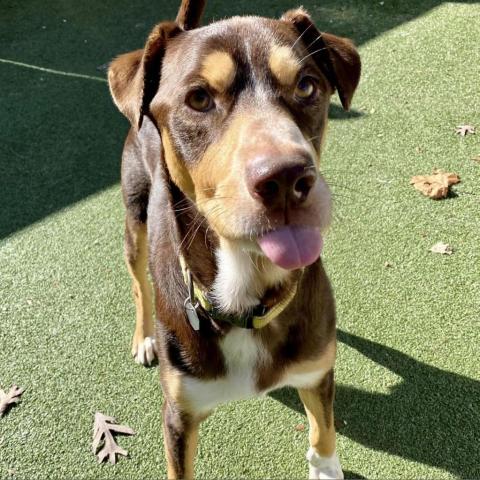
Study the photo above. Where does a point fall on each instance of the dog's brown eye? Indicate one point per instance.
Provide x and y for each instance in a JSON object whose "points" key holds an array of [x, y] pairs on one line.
{"points": [[200, 100], [306, 88]]}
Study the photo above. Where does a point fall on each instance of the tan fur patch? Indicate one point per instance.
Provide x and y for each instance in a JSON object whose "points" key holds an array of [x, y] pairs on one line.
{"points": [[172, 385], [284, 64], [218, 69], [176, 168], [216, 179], [137, 263], [190, 451], [321, 436], [318, 403]]}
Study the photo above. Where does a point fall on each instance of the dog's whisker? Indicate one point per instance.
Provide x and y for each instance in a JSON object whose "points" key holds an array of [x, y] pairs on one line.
{"points": [[206, 236], [192, 226], [195, 232], [313, 53], [318, 38], [300, 36]]}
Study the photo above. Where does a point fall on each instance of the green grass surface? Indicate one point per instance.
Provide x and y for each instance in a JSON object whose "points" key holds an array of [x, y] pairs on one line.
{"points": [[407, 370]]}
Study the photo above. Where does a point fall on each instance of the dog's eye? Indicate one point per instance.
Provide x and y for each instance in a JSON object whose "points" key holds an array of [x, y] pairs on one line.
{"points": [[306, 88], [200, 100]]}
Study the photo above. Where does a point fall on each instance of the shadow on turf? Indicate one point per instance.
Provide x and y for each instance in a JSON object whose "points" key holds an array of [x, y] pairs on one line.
{"points": [[61, 137], [430, 417]]}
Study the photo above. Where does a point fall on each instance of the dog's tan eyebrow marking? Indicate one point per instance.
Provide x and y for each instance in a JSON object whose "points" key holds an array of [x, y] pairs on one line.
{"points": [[284, 64], [218, 69]]}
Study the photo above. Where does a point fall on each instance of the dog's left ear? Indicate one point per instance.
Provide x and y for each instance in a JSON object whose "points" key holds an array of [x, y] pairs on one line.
{"points": [[336, 57]]}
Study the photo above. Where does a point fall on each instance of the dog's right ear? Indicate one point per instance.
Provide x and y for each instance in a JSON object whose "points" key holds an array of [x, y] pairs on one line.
{"points": [[134, 77]]}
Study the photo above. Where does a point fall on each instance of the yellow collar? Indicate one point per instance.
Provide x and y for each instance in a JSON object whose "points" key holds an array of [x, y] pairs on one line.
{"points": [[259, 317]]}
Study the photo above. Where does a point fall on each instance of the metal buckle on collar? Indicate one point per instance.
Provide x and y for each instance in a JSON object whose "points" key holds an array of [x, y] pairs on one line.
{"points": [[260, 310], [191, 304]]}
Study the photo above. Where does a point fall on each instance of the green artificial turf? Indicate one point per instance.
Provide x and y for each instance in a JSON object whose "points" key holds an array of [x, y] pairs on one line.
{"points": [[408, 389]]}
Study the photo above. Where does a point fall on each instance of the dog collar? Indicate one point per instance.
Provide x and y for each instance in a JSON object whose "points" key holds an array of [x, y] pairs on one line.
{"points": [[256, 318]]}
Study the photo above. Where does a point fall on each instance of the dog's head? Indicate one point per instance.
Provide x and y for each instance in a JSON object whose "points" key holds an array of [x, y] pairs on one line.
{"points": [[241, 106]]}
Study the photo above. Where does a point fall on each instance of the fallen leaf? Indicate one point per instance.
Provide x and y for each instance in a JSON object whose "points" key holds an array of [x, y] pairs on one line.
{"points": [[442, 248], [10, 398], [435, 186], [300, 427], [476, 158], [463, 130], [387, 265], [103, 437]]}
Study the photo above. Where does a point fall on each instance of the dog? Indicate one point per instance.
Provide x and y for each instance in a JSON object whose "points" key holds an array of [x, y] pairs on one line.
{"points": [[226, 207]]}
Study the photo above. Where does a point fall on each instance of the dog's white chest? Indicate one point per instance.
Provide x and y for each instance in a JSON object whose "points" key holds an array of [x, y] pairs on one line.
{"points": [[243, 352], [244, 355]]}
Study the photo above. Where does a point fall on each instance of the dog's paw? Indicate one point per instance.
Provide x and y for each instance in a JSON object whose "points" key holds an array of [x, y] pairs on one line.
{"points": [[323, 468], [144, 350]]}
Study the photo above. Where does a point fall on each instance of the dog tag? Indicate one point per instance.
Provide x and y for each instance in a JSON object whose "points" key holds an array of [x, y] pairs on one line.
{"points": [[192, 314]]}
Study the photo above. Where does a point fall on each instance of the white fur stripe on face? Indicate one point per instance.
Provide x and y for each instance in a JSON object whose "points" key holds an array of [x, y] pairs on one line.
{"points": [[323, 468]]}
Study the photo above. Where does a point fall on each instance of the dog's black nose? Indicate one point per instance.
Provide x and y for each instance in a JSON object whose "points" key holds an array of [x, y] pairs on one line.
{"points": [[281, 182]]}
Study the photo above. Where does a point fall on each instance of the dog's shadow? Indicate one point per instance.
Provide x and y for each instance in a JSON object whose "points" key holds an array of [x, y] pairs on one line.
{"points": [[336, 112], [432, 416]]}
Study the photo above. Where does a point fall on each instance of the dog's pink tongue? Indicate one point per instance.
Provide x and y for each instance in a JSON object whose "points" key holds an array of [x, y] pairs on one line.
{"points": [[292, 247]]}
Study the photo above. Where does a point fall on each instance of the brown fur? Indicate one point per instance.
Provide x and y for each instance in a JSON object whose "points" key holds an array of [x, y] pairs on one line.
{"points": [[190, 14], [189, 178]]}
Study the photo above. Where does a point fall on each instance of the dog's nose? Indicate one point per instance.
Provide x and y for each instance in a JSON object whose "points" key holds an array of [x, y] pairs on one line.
{"points": [[277, 183]]}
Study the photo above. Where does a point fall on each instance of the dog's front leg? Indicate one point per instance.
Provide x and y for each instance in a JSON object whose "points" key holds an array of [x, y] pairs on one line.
{"points": [[318, 403], [136, 257], [180, 434]]}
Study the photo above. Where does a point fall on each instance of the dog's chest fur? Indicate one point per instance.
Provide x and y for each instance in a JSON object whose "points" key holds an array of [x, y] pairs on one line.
{"points": [[245, 355], [244, 352]]}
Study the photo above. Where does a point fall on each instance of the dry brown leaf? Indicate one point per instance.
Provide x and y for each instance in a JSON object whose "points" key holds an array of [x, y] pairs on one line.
{"points": [[442, 248], [10, 398], [463, 130], [435, 186], [300, 427], [103, 437], [476, 158]]}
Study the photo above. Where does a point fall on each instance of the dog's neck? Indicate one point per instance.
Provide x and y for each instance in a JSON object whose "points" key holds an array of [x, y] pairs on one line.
{"points": [[243, 278], [236, 278]]}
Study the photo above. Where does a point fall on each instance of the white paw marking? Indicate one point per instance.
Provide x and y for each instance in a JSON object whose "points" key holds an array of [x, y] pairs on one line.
{"points": [[146, 351], [323, 468]]}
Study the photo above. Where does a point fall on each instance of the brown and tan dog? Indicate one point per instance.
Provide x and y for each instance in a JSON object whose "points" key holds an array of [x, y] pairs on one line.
{"points": [[226, 205]]}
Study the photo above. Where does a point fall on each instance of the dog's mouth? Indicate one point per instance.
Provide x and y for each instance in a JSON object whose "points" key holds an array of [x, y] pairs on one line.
{"points": [[292, 246]]}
